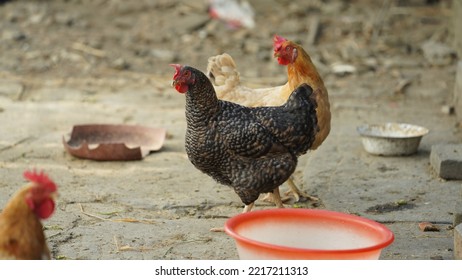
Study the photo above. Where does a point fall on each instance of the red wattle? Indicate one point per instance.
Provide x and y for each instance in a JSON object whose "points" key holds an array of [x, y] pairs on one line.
{"points": [[181, 88], [45, 209], [282, 61]]}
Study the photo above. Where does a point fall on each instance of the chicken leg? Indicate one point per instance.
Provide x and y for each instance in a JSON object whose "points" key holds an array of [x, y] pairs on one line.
{"points": [[296, 192], [276, 196]]}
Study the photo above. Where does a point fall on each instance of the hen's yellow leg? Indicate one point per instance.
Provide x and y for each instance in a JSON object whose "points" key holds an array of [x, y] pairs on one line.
{"points": [[248, 208], [269, 197], [277, 198]]}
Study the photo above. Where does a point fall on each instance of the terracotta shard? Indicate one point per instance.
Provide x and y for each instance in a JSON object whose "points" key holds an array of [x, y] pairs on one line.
{"points": [[427, 226], [107, 142]]}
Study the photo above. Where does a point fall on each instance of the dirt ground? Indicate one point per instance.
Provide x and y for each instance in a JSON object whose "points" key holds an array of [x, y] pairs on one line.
{"points": [[107, 61]]}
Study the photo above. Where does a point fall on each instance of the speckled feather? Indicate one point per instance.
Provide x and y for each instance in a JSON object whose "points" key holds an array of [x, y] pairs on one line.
{"points": [[253, 150]]}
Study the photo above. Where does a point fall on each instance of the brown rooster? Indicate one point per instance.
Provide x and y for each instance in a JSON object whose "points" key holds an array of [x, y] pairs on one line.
{"points": [[21, 233], [253, 150], [223, 73]]}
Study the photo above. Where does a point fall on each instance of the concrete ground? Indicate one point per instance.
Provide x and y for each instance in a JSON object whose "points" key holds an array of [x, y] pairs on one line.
{"points": [[175, 205], [162, 208]]}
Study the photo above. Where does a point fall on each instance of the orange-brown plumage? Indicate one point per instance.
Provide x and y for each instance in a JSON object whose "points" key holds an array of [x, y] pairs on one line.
{"points": [[302, 70], [21, 232]]}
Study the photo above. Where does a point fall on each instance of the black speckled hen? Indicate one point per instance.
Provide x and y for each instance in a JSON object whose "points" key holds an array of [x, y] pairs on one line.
{"points": [[253, 150]]}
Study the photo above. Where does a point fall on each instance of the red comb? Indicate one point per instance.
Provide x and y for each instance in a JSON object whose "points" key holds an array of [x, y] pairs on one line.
{"points": [[40, 179], [177, 70], [278, 41]]}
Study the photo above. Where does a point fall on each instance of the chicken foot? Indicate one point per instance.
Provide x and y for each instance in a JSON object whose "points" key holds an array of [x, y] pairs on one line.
{"points": [[276, 198], [269, 197], [294, 190]]}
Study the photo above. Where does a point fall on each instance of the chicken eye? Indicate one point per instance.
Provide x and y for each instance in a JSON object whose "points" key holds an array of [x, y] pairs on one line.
{"points": [[288, 48]]}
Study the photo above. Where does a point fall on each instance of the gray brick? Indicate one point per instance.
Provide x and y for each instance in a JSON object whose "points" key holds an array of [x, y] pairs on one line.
{"points": [[458, 86], [458, 242], [458, 212], [446, 159]]}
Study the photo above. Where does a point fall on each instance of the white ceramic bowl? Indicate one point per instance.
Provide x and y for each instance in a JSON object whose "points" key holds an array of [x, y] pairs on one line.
{"points": [[391, 139], [306, 234]]}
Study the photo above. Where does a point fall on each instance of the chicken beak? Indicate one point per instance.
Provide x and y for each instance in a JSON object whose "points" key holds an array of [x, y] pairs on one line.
{"points": [[54, 196]]}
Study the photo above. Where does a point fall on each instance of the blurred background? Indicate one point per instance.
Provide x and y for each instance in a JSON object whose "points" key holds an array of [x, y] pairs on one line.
{"points": [[73, 38]]}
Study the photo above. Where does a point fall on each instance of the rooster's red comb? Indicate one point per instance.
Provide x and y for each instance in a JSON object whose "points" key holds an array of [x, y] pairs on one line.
{"points": [[177, 70], [278, 41], [40, 179]]}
